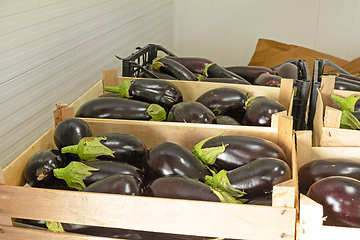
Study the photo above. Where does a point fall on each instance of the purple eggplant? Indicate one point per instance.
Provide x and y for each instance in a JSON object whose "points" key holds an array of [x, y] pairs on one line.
{"points": [[170, 159], [225, 80], [348, 86], [315, 170], [110, 147], [233, 151], [226, 120], [340, 198], [213, 70], [259, 110], [264, 200], [121, 108], [38, 171], [185, 188], [172, 68], [342, 75], [256, 178], [269, 80], [110, 95], [194, 64], [191, 112], [225, 101], [161, 92], [288, 70], [250, 73], [79, 175], [160, 75]]}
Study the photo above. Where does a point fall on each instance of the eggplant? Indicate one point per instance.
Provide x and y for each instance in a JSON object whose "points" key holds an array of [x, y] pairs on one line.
{"points": [[250, 73], [123, 184], [160, 75], [340, 198], [176, 187], [343, 75], [269, 80], [344, 85], [38, 171], [225, 80], [121, 108], [225, 101], [226, 120], [232, 151], [315, 170], [350, 103], [288, 70], [255, 178], [110, 147], [350, 120], [264, 200], [194, 64], [161, 92], [213, 70], [191, 112], [172, 68], [259, 110], [110, 95], [171, 159], [79, 175], [69, 132]]}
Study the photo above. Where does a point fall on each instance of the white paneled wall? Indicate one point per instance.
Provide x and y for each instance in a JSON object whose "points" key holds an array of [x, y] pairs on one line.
{"points": [[226, 31], [53, 50]]}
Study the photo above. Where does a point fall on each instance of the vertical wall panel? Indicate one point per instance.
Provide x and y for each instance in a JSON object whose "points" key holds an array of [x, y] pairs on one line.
{"points": [[56, 50]]}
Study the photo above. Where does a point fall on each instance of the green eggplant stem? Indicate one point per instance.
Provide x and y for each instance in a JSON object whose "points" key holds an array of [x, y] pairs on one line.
{"points": [[156, 112], [346, 103], [221, 182], [54, 226], [122, 89], [89, 148], [338, 99], [156, 65], [225, 197], [74, 173], [205, 72], [349, 121], [247, 103], [208, 155]]}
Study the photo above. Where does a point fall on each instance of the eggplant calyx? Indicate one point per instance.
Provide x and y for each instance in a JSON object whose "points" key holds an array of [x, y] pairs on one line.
{"points": [[54, 226], [200, 77], [205, 72], [156, 65], [123, 89], [221, 181], [225, 197], [156, 112], [250, 99], [346, 103], [89, 148], [349, 121], [208, 155], [74, 173]]}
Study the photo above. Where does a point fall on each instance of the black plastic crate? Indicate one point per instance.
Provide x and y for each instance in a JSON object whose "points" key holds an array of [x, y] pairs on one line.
{"points": [[138, 61], [301, 96], [318, 71]]}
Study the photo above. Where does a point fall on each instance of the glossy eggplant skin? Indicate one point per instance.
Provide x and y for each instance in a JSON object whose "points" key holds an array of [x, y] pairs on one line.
{"points": [[160, 75], [258, 177], [225, 101], [117, 184], [191, 112], [174, 68], [114, 108], [264, 200], [288, 70], [225, 80], [127, 149], [180, 188], [194, 64], [226, 120], [315, 170], [215, 71], [259, 111], [170, 159], [240, 150], [342, 75], [269, 80], [161, 92], [250, 73], [344, 85], [108, 168], [340, 198], [38, 171], [110, 95]]}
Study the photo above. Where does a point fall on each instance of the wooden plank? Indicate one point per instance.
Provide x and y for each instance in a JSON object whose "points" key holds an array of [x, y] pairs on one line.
{"points": [[332, 117], [318, 121], [303, 148], [6, 221], [62, 112], [242, 221], [110, 77], [284, 138], [311, 211], [338, 137], [284, 194], [286, 93]]}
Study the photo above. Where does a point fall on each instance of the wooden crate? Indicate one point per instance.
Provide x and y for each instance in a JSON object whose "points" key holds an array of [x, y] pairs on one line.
{"points": [[151, 214], [310, 226], [326, 128]]}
